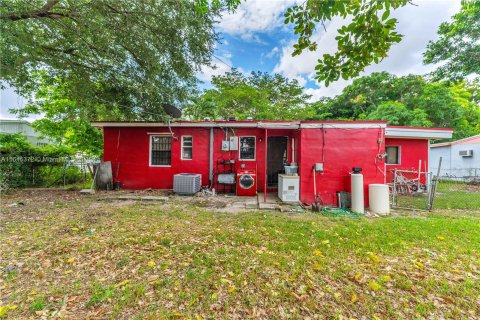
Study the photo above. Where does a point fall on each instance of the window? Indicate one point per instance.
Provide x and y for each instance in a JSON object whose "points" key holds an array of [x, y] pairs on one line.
{"points": [[393, 155], [187, 148], [160, 151], [247, 148]]}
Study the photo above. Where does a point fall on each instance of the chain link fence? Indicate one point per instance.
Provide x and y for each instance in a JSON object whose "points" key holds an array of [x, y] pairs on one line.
{"points": [[458, 189], [450, 189]]}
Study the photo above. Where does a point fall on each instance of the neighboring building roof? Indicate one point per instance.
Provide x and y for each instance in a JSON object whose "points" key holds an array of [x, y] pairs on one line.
{"points": [[14, 121], [390, 131], [470, 140]]}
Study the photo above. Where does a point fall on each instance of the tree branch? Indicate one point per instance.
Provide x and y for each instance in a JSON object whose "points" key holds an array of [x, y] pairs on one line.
{"points": [[43, 12]]}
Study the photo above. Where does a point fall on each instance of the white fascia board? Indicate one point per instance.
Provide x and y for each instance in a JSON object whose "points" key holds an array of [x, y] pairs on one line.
{"points": [[342, 125], [279, 125], [269, 125], [416, 133]]}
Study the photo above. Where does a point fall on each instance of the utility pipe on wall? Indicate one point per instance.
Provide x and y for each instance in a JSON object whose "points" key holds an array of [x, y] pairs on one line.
{"points": [[293, 151], [210, 163], [265, 185]]}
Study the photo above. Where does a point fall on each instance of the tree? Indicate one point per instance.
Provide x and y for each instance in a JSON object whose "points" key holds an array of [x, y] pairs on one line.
{"points": [[396, 113], [127, 54], [458, 48], [258, 95], [365, 94], [64, 121], [408, 100], [363, 41]]}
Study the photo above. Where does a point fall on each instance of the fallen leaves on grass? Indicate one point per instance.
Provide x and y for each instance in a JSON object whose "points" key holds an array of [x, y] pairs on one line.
{"points": [[374, 286], [121, 284]]}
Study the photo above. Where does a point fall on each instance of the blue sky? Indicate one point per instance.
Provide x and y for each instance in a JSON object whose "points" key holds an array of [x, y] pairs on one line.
{"points": [[255, 38]]}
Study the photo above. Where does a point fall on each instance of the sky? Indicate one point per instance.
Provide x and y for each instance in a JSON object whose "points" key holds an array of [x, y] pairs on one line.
{"points": [[254, 38]]}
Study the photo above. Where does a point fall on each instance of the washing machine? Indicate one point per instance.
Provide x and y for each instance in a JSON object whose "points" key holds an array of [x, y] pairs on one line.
{"points": [[246, 183]]}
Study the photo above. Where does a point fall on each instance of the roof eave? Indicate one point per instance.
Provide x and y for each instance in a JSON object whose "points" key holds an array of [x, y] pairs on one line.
{"points": [[417, 133]]}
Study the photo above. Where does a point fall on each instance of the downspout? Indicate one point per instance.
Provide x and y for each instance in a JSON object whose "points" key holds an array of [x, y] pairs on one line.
{"points": [[210, 162], [265, 184]]}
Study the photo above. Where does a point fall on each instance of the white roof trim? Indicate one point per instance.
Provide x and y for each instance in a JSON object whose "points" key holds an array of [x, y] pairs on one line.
{"points": [[417, 133], [206, 124], [342, 125], [233, 124]]}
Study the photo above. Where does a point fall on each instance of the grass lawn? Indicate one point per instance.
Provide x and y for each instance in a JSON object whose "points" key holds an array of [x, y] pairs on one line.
{"points": [[450, 195], [174, 260]]}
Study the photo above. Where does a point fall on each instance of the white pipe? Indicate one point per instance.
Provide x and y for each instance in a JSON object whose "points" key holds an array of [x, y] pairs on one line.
{"points": [[210, 156], [419, 171], [293, 150]]}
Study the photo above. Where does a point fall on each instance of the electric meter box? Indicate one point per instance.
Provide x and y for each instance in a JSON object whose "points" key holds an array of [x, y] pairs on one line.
{"points": [[225, 145], [231, 144], [234, 143]]}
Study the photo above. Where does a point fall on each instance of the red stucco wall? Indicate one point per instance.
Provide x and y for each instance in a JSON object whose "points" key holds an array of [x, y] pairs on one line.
{"points": [[411, 151], [343, 150], [128, 150]]}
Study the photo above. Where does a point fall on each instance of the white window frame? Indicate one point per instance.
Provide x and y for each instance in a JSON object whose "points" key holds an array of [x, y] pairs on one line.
{"points": [[399, 152], [150, 137], [181, 154], [254, 148]]}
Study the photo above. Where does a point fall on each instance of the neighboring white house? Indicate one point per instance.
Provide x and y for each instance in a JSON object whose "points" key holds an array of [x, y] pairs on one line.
{"points": [[22, 126], [460, 158]]}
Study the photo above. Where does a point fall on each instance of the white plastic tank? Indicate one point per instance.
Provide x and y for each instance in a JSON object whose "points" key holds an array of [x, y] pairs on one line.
{"points": [[358, 203], [379, 198]]}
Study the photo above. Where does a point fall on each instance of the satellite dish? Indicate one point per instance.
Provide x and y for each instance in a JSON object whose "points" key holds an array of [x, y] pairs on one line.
{"points": [[171, 110]]}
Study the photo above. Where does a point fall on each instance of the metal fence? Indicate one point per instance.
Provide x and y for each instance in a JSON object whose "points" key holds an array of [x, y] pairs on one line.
{"points": [[411, 189], [441, 189]]}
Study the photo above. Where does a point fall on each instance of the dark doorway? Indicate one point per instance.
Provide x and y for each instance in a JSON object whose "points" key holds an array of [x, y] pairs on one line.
{"points": [[276, 159]]}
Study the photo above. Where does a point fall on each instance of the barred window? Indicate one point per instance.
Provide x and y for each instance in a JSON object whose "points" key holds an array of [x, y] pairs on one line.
{"points": [[187, 148], [161, 151], [247, 148]]}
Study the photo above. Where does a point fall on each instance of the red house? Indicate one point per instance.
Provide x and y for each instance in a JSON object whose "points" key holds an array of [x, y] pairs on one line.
{"points": [[149, 154]]}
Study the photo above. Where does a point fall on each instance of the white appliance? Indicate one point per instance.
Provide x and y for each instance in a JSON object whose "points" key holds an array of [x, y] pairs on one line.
{"points": [[288, 188]]}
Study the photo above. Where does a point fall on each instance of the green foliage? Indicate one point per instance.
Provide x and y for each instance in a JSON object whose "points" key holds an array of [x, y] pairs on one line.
{"points": [[396, 113], [361, 42], [64, 120], [408, 100], [131, 56], [20, 162], [258, 95], [458, 47]]}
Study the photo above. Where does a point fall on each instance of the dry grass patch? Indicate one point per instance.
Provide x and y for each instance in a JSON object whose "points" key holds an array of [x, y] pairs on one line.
{"points": [[74, 257]]}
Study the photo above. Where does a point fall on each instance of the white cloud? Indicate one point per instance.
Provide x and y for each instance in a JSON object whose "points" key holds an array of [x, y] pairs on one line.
{"points": [[418, 24], [220, 65], [315, 94], [272, 53], [9, 99], [253, 17]]}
